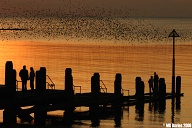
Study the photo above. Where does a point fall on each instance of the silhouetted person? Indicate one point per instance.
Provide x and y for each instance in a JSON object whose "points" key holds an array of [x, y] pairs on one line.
{"points": [[31, 78], [24, 77], [151, 84]]}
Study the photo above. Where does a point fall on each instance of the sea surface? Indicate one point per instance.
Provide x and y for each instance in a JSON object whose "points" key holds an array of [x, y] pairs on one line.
{"points": [[130, 46]]}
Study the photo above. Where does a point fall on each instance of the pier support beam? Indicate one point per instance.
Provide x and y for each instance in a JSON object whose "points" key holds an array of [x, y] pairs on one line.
{"points": [[94, 108], [10, 83], [40, 116], [68, 114], [118, 102]]}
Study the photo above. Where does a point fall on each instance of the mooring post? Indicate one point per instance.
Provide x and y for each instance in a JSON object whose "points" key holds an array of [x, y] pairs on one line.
{"points": [[137, 83], [9, 118], [178, 92], [178, 85], [95, 84], [68, 80], [40, 116], [162, 88], [68, 114], [162, 94], [94, 107], [139, 95], [10, 77], [41, 80], [118, 102], [139, 89], [140, 99], [117, 84]]}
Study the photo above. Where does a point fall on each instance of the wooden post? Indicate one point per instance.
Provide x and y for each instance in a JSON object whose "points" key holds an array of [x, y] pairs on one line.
{"points": [[95, 84], [140, 96], [162, 94], [118, 102], [9, 118], [68, 114], [178, 85], [68, 79], [94, 107], [178, 92], [162, 88], [137, 83], [41, 80], [117, 84], [40, 116], [10, 78], [139, 89]]}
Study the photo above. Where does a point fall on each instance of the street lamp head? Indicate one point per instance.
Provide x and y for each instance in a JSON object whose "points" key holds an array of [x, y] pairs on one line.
{"points": [[174, 34]]}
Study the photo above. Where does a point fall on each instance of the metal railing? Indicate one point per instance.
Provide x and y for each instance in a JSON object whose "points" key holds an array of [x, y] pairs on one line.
{"points": [[77, 87], [105, 88], [125, 90], [17, 84], [52, 84]]}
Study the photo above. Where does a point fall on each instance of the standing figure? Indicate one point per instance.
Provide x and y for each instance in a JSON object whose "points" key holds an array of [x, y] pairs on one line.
{"points": [[151, 84], [31, 78], [24, 77]]}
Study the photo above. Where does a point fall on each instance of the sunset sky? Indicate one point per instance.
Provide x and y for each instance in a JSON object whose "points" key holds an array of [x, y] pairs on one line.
{"points": [[117, 8]]}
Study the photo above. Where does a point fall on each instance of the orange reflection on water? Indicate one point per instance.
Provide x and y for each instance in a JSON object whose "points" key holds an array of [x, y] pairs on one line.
{"points": [[87, 58]]}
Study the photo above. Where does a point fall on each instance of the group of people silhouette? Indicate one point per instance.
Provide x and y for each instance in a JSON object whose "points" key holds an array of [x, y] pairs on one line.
{"points": [[152, 81], [25, 76]]}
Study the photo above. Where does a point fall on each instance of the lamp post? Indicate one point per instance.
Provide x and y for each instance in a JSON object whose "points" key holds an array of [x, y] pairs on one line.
{"points": [[173, 34]]}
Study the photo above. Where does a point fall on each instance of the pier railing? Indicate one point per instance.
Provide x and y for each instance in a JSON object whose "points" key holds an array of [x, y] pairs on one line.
{"points": [[103, 88], [17, 84], [51, 84], [74, 87], [125, 90]]}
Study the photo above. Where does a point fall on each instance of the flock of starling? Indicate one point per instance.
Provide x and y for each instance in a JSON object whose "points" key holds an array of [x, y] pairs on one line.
{"points": [[47, 27]]}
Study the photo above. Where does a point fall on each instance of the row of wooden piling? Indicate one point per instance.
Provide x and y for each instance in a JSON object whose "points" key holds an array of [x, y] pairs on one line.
{"points": [[159, 88], [40, 116], [94, 108], [9, 117]]}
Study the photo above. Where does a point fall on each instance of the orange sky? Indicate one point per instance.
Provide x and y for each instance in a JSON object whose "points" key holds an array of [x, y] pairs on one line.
{"points": [[144, 8]]}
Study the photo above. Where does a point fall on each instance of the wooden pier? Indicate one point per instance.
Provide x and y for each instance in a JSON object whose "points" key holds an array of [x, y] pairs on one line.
{"points": [[41, 100]]}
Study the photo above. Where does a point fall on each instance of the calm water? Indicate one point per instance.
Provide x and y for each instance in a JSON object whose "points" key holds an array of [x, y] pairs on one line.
{"points": [[132, 47]]}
